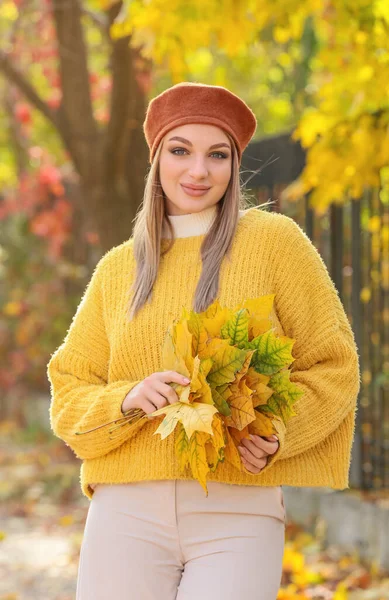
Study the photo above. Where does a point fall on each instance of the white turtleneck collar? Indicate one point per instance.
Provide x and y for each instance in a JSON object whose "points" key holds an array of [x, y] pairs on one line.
{"points": [[192, 224]]}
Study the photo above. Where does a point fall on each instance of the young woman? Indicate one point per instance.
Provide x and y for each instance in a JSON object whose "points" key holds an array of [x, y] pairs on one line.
{"points": [[151, 532]]}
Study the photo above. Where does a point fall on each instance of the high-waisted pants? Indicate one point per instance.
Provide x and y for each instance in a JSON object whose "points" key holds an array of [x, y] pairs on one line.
{"points": [[167, 540]]}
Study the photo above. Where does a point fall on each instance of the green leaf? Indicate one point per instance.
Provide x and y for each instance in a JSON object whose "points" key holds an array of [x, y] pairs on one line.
{"points": [[272, 353], [227, 361], [236, 330], [285, 394], [219, 400]]}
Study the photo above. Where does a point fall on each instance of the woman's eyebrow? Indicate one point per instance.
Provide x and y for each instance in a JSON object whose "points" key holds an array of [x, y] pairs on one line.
{"points": [[180, 139]]}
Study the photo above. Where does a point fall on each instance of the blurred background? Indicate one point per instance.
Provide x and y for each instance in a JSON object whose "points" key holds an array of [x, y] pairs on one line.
{"points": [[75, 80]]}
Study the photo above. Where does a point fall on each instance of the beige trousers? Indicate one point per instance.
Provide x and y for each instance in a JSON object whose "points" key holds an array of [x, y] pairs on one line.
{"points": [[165, 540]]}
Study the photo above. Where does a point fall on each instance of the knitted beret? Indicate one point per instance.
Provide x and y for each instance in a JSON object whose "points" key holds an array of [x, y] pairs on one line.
{"points": [[189, 102]]}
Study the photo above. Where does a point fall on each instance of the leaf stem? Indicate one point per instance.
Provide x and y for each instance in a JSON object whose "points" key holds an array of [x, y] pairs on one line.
{"points": [[133, 412]]}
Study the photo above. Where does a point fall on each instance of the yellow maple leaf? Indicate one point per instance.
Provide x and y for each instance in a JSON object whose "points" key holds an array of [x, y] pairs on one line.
{"points": [[198, 458], [218, 439], [259, 307], [172, 361], [194, 417], [213, 457], [182, 446], [200, 387], [260, 310], [196, 327], [214, 317], [215, 444], [231, 453], [258, 383], [263, 425], [183, 344], [241, 405]]}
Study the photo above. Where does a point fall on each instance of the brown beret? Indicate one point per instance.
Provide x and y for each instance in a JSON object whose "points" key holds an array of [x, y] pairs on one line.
{"points": [[189, 102]]}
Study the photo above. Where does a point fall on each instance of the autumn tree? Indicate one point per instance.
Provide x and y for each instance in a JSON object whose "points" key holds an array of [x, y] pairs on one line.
{"points": [[97, 115]]}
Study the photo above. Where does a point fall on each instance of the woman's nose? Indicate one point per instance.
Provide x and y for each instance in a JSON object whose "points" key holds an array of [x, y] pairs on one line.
{"points": [[198, 168]]}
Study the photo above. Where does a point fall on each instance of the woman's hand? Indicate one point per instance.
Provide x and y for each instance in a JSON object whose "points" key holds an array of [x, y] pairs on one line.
{"points": [[254, 454], [154, 392]]}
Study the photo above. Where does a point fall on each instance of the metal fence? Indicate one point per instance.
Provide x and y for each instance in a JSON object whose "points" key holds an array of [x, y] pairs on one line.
{"points": [[353, 240]]}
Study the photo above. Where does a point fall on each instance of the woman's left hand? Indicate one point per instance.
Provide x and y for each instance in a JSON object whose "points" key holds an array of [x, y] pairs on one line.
{"points": [[254, 454]]}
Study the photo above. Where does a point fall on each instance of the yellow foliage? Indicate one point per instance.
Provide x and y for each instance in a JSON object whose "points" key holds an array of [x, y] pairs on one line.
{"points": [[341, 592], [12, 309], [374, 224], [306, 577], [293, 561], [239, 383], [345, 128], [365, 295], [66, 520], [8, 10], [290, 593]]}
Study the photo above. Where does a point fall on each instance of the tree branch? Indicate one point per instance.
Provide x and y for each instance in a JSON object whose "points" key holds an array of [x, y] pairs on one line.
{"points": [[100, 20], [18, 79], [17, 139]]}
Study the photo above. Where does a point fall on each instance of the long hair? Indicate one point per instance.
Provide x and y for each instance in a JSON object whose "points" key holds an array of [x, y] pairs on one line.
{"points": [[217, 243]]}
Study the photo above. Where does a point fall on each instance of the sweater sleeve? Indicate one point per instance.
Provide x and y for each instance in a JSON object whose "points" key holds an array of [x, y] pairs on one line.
{"points": [[326, 365], [81, 397]]}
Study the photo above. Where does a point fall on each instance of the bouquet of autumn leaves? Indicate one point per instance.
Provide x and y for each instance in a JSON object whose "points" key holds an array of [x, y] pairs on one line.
{"points": [[239, 383]]}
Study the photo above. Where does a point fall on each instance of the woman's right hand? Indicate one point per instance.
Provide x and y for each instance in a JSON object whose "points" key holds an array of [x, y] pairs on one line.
{"points": [[153, 392]]}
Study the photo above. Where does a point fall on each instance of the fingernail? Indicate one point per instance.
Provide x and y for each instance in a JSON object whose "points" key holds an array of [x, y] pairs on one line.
{"points": [[251, 436], [186, 380]]}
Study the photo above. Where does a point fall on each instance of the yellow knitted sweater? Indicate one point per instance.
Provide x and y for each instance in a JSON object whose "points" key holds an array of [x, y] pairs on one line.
{"points": [[104, 355]]}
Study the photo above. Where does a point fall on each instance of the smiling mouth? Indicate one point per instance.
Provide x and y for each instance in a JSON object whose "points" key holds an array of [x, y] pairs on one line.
{"points": [[194, 189]]}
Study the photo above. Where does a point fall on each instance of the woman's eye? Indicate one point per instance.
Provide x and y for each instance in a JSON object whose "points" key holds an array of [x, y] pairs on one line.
{"points": [[221, 154], [177, 152]]}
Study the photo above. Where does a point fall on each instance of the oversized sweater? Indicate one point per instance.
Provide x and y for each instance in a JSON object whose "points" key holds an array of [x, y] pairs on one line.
{"points": [[104, 355]]}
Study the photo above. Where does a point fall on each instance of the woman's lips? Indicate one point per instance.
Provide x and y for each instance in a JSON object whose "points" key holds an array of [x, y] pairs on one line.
{"points": [[192, 192]]}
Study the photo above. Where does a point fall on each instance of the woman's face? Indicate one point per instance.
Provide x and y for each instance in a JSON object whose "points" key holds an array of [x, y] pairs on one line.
{"points": [[198, 156]]}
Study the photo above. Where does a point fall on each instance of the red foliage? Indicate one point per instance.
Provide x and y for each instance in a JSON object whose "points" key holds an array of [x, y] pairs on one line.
{"points": [[23, 112], [41, 197], [36, 216], [36, 226]]}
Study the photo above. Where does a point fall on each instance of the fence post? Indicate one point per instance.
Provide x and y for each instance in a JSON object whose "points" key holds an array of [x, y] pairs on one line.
{"points": [[356, 314]]}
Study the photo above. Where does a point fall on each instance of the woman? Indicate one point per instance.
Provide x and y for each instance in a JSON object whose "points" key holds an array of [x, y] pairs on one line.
{"points": [[151, 533]]}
